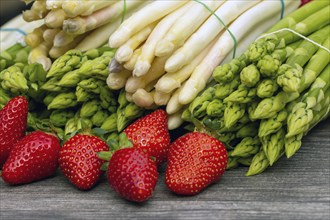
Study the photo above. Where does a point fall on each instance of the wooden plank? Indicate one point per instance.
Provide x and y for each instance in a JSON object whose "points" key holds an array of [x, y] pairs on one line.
{"points": [[295, 188]]}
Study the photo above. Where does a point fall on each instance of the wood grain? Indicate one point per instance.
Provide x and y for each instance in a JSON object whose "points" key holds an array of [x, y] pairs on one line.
{"points": [[295, 188]]}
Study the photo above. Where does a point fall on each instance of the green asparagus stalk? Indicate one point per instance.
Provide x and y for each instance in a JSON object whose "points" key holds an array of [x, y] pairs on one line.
{"points": [[35, 73], [290, 80], [110, 123], [259, 164], [98, 67], [127, 115], [4, 97], [292, 144], [243, 94], [71, 126], [233, 112], [302, 113], [248, 130], [200, 103], [71, 60], [215, 108], [245, 161], [232, 161], [107, 98], [273, 145], [99, 117], [13, 80], [83, 95], [52, 85], [63, 101], [222, 90], [248, 147], [266, 88], [89, 108], [250, 75], [70, 79], [92, 85], [227, 72], [60, 117], [272, 124], [17, 53]]}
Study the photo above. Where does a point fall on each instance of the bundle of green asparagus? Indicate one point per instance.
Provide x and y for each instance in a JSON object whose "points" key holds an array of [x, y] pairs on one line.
{"points": [[72, 95], [72, 24], [262, 103]]}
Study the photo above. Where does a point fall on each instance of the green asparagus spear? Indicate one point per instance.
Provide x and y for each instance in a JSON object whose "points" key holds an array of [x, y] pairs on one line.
{"points": [[266, 88], [273, 124], [59, 117], [215, 108], [107, 98], [98, 67], [83, 95], [127, 115], [243, 94], [70, 79], [13, 80], [233, 112], [63, 101], [248, 130], [232, 162], [200, 103], [292, 144], [89, 108], [52, 85], [91, 85], [273, 145], [248, 147], [71, 60], [222, 90], [259, 164], [250, 75], [246, 161], [99, 117], [110, 123]]}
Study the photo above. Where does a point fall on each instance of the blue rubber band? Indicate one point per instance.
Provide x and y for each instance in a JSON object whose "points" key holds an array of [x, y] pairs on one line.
{"points": [[13, 30]]}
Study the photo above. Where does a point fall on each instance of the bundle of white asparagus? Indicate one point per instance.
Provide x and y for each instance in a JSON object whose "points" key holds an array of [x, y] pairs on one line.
{"points": [[167, 50], [68, 24]]}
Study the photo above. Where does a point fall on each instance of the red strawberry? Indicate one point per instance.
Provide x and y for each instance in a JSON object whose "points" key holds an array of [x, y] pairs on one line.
{"points": [[151, 134], [79, 162], [194, 161], [33, 158], [13, 119], [132, 174]]}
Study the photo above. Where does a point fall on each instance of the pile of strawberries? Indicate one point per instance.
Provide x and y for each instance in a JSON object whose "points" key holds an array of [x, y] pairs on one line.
{"points": [[193, 161]]}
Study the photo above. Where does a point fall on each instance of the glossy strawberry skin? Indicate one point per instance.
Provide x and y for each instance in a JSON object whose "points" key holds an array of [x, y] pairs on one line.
{"points": [[151, 134], [132, 174], [13, 119], [79, 162], [195, 161], [33, 158]]}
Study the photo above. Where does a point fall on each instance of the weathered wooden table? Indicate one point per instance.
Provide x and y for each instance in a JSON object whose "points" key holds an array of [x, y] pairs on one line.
{"points": [[295, 188]]}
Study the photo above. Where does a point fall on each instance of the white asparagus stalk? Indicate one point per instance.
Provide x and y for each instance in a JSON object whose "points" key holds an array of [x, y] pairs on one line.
{"points": [[56, 52], [227, 12], [125, 51], [143, 98], [114, 66], [34, 38], [161, 98], [129, 65], [62, 38], [156, 71], [75, 8], [174, 120], [185, 27], [173, 104], [239, 28], [55, 18], [129, 97], [146, 15], [82, 24], [170, 81], [118, 80], [49, 35], [37, 11], [39, 54], [147, 55], [54, 4]]}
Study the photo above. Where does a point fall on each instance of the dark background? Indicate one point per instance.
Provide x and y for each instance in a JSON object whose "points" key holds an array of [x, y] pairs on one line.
{"points": [[11, 8]]}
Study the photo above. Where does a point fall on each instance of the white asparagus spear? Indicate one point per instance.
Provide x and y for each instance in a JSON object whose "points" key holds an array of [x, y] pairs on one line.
{"points": [[125, 51], [161, 98], [185, 27], [146, 15], [118, 80], [129, 65], [170, 81], [55, 18], [49, 35], [156, 71], [174, 120], [39, 54], [74, 8], [173, 104], [147, 55], [239, 28], [227, 12], [54, 4]]}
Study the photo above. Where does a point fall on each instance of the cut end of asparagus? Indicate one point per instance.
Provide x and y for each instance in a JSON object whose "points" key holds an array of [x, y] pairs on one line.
{"points": [[143, 98]]}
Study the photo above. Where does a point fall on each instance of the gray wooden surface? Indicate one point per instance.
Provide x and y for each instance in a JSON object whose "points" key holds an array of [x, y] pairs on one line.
{"points": [[295, 188]]}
